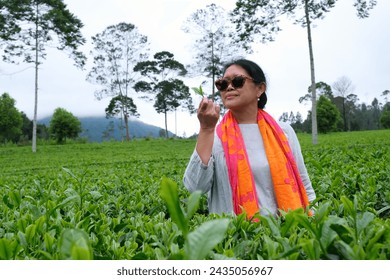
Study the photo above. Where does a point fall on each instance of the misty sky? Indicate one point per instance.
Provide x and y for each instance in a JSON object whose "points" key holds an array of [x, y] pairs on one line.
{"points": [[343, 46]]}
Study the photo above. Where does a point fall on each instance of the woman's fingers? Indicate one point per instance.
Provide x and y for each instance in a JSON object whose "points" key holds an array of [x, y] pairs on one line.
{"points": [[204, 104], [217, 109], [208, 113], [207, 105]]}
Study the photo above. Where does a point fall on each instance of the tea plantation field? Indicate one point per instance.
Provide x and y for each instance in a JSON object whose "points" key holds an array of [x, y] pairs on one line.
{"points": [[127, 201]]}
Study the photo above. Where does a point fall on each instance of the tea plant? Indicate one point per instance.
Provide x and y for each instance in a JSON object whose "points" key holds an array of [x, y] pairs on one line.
{"points": [[200, 241], [113, 201]]}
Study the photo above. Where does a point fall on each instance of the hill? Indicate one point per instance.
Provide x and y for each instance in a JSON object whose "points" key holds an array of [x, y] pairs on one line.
{"points": [[98, 129]]}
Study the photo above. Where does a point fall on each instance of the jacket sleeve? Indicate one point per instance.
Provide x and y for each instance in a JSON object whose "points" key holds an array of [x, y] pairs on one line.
{"points": [[197, 175]]}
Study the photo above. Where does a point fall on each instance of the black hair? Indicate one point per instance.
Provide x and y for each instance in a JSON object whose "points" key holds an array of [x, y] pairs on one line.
{"points": [[255, 72]]}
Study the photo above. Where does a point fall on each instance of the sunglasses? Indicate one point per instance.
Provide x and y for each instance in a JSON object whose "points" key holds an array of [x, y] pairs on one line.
{"points": [[237, 82]]}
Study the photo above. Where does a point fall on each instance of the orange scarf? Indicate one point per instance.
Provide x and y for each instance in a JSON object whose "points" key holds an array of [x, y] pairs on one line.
{"points": [[289, 190]]}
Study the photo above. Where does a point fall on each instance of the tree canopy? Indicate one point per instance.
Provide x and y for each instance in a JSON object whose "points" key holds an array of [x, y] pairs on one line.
{"points": [[328, 115], [11, 120], [169, 92], [214, 44], [64, 125]]}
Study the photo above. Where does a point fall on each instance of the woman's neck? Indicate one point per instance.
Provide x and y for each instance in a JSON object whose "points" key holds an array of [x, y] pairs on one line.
{"points": [[248, 116]]}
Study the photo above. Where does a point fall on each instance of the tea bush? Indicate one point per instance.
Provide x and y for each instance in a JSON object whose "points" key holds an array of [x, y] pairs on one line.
{"points": [[126, 201]]}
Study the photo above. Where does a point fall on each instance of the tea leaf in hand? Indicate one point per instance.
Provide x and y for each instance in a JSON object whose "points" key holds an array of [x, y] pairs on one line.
{"points": [[198, 90]]}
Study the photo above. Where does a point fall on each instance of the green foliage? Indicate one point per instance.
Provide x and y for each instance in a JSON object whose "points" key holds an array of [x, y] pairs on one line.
{"points": [[328, 116], [200, 241], [363, 7], [214, 45], [203, 239], [119, 103], [171, 95], [260, 19], [33, 26], [162, 73], [101, 201], [117, 49], [11, 120], [385, 118], [30, 22], [170, 92], [8, 25], [122, 105], [64, 125], [74, 245], [355, 116], [198, 91], [170, 194]]}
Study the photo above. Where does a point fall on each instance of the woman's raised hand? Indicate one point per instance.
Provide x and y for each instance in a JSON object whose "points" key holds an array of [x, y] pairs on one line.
{"points": [[208, 114]]}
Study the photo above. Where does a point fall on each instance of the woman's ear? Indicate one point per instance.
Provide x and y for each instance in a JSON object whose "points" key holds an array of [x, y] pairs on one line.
{"points": [[262, 87]]}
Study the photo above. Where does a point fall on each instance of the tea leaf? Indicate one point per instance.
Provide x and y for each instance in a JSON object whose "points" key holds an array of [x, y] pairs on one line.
{"points": [[202, 240], [193, 203], [74, 245], [169, 194], [198, 90], [363, 221], [8, 249]]}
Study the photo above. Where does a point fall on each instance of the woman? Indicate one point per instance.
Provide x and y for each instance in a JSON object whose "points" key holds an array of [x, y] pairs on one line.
{"points": [[248, 162]]}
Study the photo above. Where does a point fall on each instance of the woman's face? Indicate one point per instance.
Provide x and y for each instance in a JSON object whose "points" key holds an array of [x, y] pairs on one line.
{"points": [[244, 97]]}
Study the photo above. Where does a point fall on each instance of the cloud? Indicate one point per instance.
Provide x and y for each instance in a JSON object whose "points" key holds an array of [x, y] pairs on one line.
{"points": [[343, 45]]}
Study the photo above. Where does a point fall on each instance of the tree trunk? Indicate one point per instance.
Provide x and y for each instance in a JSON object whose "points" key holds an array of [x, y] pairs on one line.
{"points": [[175, 122], [125, 117], [166, 123], [34, 132], [344, 116], [121, 126], [213, 63], [313, 80], [127, 127]]}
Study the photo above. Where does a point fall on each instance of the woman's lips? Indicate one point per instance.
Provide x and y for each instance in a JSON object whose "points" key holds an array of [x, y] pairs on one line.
{"points": [[231, 96]]}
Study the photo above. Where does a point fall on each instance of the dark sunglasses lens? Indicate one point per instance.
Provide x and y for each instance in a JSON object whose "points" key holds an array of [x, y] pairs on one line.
{"points": [[221, 84], [238, 82]]}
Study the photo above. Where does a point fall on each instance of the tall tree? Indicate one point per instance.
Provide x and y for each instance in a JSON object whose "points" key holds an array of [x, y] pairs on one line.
{"points": [[11, 120], [342, 88], [116, 105], [386, 94], [375, 113], [297, 125], [260, 18], [170, 92], [34, 26], [284, 117], [385, 117], [116, 51], [27, 127], [351, 107], [214, 45]]}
